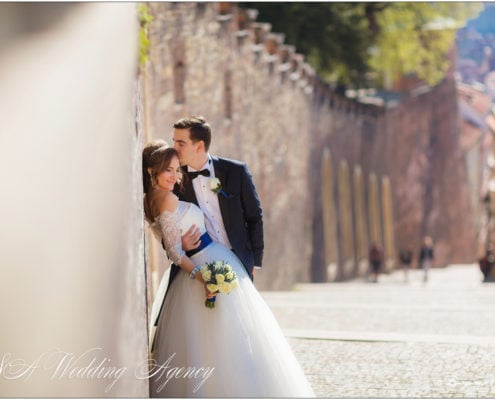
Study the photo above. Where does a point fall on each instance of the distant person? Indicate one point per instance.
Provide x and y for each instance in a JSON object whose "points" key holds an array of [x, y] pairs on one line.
{"points": [[406, 257], [376, 260], [426, 255], [486, 263]]}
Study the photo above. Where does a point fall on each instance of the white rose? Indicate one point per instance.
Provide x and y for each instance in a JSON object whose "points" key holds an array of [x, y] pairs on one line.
{"points": [[212, 287], [214, 183], [206, 275], [224, 287]]}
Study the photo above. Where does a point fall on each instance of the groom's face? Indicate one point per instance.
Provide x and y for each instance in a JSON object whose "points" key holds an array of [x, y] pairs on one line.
{"points": [[188, 151]]}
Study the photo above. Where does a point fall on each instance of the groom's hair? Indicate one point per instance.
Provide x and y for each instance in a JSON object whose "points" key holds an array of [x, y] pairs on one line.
{"points": [[199, 129]]}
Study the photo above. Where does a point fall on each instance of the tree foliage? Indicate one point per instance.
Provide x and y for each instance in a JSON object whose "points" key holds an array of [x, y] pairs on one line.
{"points": [[144, 19], [416, 38], [345, 42]]}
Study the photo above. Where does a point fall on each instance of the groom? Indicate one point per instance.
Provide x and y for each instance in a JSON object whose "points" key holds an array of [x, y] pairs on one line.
{"points": [[233, 214]]}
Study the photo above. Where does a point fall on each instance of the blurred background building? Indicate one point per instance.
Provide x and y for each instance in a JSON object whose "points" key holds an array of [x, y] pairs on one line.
{"points": [[476, 92]]}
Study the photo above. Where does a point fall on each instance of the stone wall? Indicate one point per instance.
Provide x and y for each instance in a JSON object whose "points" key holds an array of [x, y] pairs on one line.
{"points": [[267, 107], [258, 114], [415, 144], [428, 170], [73, 298]]}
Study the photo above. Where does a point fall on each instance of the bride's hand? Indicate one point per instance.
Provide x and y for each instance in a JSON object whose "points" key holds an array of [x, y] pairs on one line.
{"points": [[190, 240], [209, 295]]}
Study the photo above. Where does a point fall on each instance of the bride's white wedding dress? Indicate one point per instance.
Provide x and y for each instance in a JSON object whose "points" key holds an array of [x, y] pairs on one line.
{"points": [[236, 349]]}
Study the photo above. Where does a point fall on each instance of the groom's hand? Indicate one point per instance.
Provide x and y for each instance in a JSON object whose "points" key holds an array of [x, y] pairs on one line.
{"points": [[190, 239]]}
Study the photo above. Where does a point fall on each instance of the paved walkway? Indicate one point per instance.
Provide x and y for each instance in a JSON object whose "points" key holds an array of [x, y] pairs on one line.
{"points": [[392, 338]]}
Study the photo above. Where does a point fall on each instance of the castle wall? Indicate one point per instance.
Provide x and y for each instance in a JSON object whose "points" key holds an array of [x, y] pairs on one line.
{"points": [[269, 109]]}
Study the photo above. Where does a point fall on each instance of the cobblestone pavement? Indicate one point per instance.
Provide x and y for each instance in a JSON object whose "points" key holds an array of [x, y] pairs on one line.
{"points": [[393, 338]]}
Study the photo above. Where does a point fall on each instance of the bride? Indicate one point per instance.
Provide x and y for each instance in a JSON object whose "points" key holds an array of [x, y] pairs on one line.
{"points": [[236, 349]]}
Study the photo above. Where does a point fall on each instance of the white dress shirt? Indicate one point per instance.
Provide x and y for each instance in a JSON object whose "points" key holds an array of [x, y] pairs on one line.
{"points": [[208, 202]]}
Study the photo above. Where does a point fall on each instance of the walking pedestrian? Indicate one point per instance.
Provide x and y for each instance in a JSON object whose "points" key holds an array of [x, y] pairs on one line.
{"points": [[487, 263], [376, 260], [405, 257], [426, 255]]}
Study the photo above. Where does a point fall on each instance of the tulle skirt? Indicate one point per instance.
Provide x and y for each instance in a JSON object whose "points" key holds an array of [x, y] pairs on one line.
{"points": [[236, 349]]}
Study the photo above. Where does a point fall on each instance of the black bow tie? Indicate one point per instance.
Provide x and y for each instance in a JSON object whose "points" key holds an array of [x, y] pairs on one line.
{"points": [[194, 174]]}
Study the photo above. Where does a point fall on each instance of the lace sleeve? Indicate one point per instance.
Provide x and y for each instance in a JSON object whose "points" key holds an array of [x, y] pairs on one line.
{"points": [[169, 226]]}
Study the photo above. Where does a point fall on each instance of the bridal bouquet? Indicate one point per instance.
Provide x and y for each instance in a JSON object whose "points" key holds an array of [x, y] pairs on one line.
{"points": [[220, 278]]}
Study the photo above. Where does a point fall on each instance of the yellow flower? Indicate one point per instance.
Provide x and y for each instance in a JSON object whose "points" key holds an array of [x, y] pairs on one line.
{"points": [[220, 278], [212, 287], [224, 287], [203, 268], [234, 283], [206, 275], [229, 275], [217, 264], [228, 267]]}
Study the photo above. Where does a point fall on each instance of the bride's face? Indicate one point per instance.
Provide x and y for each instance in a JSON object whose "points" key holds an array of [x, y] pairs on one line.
{"points": [[167, 179]]}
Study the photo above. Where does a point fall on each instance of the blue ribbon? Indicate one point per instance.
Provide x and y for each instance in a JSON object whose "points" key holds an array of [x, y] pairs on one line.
{"points": [[205, 241]]}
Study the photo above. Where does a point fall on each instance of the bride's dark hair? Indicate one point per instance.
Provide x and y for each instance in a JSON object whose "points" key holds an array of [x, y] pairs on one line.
{"points": [[148, 149]]}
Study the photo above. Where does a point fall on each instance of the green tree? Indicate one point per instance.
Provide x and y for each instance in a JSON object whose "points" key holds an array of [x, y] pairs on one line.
{"points": [[144, 18], [333, 36], [345, 42], [416, 38]]}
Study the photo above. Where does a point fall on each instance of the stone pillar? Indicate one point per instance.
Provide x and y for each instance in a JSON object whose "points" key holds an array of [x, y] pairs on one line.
{"points": [[361, 224], [346, 229], [285, 53], [388, 225], [272, 44], [260, 32], [329, 220], [374, 210], [245, 18]]}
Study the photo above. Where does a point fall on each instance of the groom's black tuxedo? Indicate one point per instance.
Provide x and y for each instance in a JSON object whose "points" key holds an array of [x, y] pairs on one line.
{"points": [[240, 208]]}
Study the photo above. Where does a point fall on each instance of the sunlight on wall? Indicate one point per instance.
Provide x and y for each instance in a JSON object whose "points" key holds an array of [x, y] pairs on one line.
{"points": [[71, 231]]}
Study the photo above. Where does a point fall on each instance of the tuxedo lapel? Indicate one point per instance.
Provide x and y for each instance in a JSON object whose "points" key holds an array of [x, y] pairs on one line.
{"points": [[221, 174], [188, 193]]}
